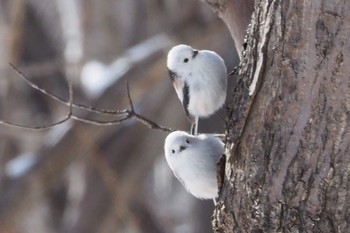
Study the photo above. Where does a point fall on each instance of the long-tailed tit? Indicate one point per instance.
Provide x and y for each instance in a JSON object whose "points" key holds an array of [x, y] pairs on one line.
{"points": [[193, 160], [199, 79]]}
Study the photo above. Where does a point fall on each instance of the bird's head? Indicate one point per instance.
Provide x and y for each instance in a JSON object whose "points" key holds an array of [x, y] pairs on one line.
{"points": [[180, 60], [177, 142]]}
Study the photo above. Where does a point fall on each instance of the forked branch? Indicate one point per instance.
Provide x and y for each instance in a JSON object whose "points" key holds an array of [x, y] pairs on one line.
{"points": [[119, 115]]}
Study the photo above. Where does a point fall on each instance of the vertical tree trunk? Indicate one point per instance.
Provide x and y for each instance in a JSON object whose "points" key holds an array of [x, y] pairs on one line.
{"points": [[288, 158]]}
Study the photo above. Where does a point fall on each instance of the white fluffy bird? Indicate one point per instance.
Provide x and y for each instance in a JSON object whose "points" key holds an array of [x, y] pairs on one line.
{"points": [[199, 79], [193, 160]]}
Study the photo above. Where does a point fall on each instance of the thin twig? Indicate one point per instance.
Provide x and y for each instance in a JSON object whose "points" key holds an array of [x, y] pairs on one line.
{"points": [[142, 119], [101, 123], [44, 127], [123, 115], [129, 97], [61, 100], [151, 124]]}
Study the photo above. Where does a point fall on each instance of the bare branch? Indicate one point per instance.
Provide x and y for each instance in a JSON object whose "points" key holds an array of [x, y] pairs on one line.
{"points": [[129, 97], [151, 124], [120, 115], [59, 99], [101, 123], [44, 127], [142, 119]]}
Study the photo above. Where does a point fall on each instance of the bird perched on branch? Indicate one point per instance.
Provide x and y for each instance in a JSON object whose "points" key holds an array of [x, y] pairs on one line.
{"points": [[199, 79], [193, 160]]}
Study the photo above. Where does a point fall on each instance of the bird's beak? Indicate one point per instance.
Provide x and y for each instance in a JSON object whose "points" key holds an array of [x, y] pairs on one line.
{"points": [[195, 53], [182, 148]]}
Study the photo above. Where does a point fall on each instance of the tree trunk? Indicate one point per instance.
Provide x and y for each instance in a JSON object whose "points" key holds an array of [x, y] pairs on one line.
{"points": [[288, 155]]}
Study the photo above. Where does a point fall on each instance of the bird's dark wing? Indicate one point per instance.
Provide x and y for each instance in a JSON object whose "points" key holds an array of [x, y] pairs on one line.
{"points": [[172, 75], [185, 92], [186, 100]]}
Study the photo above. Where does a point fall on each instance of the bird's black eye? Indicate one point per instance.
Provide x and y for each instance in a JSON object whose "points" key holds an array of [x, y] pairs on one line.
{"points": [[188, 141], [173, 151], [186, 60]]}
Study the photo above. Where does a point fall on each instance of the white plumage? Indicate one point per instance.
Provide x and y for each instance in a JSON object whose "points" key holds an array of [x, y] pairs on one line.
{"points": [[199, 79], [193, 160]]}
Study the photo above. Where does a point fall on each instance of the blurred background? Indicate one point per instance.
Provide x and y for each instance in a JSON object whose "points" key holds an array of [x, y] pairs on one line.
{"points": [[82, 178]]}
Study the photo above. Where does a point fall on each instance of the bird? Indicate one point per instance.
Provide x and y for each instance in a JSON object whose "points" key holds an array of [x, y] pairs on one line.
{"points": [[193, 161], [200, 81]]}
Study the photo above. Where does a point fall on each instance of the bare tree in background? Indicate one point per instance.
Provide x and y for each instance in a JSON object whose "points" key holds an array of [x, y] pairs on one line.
{"points": [[288, 159]]}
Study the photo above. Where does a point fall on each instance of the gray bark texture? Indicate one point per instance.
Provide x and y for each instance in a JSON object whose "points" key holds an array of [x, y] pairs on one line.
{"points": [[288, 155]]}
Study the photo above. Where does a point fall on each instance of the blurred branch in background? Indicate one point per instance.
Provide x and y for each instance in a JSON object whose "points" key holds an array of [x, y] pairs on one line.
{"points": [[78, 177]]}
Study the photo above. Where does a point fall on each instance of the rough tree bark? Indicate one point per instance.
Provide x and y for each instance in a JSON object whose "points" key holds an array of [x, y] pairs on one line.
{"points": [[288, 156]]}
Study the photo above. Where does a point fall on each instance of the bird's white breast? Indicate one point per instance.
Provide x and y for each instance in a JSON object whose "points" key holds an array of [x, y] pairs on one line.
{"points": [[207, 84], [196, 168]]}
